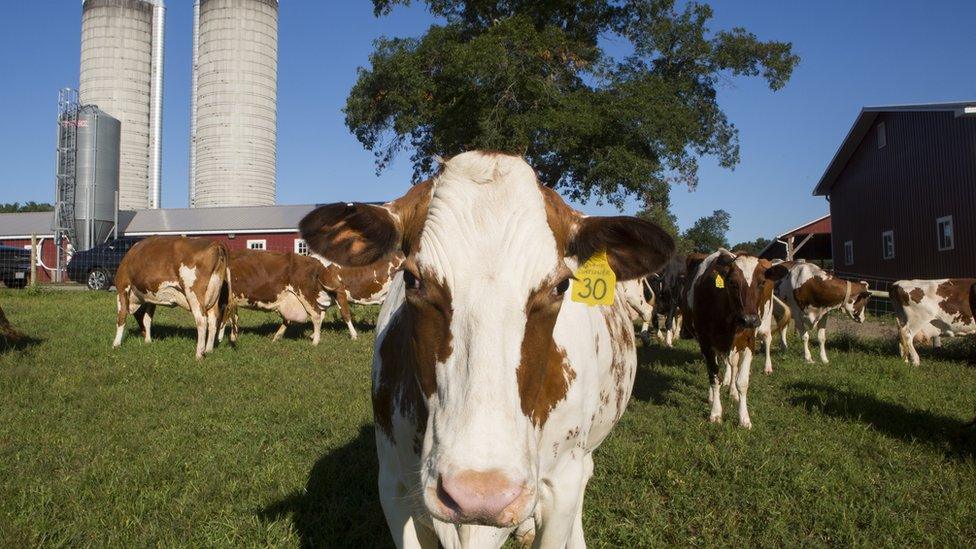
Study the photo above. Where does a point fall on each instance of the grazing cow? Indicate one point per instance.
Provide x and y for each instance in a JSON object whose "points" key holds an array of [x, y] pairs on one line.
{"points": [[286, 282], [668, 286], [811, 293], [366, 285], [724, 300], [640, 303], [192, 273], [491, 387], [928, 309]]}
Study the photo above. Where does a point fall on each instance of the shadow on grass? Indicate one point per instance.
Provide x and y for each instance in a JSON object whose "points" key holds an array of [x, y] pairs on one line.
{"points": [[658, 371], [960, 349], [18, 343], [957, 439], [339, 506]]}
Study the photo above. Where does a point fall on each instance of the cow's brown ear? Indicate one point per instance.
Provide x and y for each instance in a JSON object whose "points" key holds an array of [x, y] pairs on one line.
{"points": [[356, 234], [776, 272], [635, 247]]}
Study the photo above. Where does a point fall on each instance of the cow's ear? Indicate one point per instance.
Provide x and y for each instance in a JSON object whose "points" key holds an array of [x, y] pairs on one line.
{"points": [[356, 234], [776, 272], [635, 247]]}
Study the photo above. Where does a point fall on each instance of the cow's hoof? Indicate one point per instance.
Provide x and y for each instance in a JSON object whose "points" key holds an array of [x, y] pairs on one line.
{"points": [[745, 424], [768, 371], [809, 361], [714, 419], [354, 337]]}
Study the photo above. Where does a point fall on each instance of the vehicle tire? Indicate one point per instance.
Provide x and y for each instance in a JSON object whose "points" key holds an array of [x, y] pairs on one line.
{"points": [[15, 283], [98, 279]]}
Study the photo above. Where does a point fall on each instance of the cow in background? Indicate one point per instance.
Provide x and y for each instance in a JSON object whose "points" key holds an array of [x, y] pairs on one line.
{"points": [[668, 287], [641, 306], [192, 273], [724, 300], [811, 293], [928, 309], [491, 387], [366, 285], [290, 284]]}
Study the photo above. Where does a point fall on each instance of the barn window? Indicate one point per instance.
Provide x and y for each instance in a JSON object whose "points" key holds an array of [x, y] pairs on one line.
{"points": [[882, 138], [849, 252], [888, 244], [257, 244], [946, 239], [301, 247]]}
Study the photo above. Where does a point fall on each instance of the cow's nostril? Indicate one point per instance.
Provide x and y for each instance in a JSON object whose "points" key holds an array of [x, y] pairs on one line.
{"points": [[480, 496]]}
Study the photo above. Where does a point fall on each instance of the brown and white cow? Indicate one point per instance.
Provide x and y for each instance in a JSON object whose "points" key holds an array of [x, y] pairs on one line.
{"points": [[366, 285], [288, 283], [929, 309], [192, 273], [641, 304], [491, 387], [724, 300], [811, 293]]}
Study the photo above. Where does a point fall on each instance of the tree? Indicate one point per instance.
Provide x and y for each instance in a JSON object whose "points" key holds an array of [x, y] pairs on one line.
{"points": [[753, 247], [533, 77], [708, 233], [31, 206]]}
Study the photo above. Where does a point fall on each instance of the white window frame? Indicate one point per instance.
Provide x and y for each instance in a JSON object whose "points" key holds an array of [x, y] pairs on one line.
{"points": [[939, 232], [884, 244], [849, 252], [37, 258], [299, 244], [260, 242], [882, 135]]}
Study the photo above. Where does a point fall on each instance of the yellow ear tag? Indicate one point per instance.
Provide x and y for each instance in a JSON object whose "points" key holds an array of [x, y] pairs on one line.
{"points": [[719, 281], [594, 281]]}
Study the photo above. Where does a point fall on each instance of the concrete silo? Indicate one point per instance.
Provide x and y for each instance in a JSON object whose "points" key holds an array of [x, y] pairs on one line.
{"points": [[122, 73], [233, 103]]}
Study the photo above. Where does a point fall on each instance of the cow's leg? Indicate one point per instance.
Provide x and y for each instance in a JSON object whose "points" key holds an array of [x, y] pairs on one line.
{"points": [[317, 317], [768, 343], [908, 341], [281, 330], [742, 385], [805, 335], [201, 321], [556, 515], [822, 338], [937, 342], [343, 301], [782, 337], [122, 303], [212, 314], [714, 387], [732, 370], [144, 316]]}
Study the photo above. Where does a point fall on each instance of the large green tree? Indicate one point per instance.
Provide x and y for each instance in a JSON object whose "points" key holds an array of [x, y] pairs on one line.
{"points": [[708, 234], [534, 77]]}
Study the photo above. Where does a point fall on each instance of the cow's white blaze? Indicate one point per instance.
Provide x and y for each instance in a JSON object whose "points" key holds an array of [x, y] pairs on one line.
{"points": [[487, 239], [747, 264]]}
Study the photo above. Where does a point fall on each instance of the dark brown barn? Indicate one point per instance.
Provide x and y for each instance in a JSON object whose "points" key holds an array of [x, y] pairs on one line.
{"points": [[902, 192]]}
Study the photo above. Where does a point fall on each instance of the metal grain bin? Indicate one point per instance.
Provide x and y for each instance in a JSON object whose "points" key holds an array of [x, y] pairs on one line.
{"points": [[233, 103], [97, 176]]}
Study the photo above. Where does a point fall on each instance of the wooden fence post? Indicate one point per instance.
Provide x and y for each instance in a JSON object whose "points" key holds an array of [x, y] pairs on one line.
{"points": [[33, 260]]}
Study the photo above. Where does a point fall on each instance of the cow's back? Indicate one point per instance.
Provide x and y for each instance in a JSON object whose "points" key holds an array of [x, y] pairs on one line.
{"points": [[258, 276], [158, 261]]}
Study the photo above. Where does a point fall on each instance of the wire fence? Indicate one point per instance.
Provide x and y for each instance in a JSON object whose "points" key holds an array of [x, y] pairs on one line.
{"points": [[880, 303]]}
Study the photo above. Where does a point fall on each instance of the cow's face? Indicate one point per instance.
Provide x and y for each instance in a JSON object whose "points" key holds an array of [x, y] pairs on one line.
{"points": [[748, 284], [857, 301], [489, 258]]}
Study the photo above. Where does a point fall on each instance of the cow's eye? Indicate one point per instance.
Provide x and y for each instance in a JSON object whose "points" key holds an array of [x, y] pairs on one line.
{"points": [[410, 280], [559, 289]]}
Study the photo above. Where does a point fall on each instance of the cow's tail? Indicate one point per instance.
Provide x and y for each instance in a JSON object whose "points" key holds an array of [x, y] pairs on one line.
{"points": [[783, 322], [225, 300], [898, 298]]}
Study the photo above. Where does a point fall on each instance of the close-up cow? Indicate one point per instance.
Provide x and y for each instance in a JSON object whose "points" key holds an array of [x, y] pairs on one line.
{"points": [[725, 300], [928, 309], [491, 387], [812, 293], [191, 273]]}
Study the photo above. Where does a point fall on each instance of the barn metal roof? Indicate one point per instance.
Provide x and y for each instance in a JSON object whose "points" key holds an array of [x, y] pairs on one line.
{"points": [[241, 219], [864, 123]]}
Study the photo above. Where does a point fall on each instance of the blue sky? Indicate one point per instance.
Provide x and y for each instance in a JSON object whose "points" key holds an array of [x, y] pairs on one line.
{"points": [[854, 53]]}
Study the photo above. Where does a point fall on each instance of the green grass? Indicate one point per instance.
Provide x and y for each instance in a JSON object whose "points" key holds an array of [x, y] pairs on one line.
{"points": [[271, 443]]}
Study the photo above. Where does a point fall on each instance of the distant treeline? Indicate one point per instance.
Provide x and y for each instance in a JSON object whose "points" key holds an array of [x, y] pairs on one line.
{"points": [[17, 207]]}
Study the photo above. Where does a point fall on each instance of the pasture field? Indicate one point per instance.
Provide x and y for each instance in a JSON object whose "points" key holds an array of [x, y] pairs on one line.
{"points": [[270, 444]]}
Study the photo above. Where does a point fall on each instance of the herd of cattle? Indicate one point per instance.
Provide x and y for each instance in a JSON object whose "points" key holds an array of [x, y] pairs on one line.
{"points": [[491, 386]]}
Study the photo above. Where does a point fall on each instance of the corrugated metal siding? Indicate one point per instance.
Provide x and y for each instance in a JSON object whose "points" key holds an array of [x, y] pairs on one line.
{"points": [[926, 170]]}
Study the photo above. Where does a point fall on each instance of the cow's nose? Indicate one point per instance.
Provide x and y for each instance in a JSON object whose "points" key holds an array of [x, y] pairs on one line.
{"points": [[751, 321], [485, 497]]}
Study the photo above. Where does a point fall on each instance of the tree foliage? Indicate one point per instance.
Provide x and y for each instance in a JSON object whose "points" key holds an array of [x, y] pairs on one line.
{"points": [[533, 77], [708, 233], [752, 247], [16, 207]]}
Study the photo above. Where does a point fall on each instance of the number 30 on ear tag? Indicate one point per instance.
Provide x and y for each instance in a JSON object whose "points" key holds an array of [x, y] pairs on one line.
{"points": [[595, 281]]}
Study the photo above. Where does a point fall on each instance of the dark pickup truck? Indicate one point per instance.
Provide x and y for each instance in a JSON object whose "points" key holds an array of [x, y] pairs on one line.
{"points": [[96, 266], [14, 266]]}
